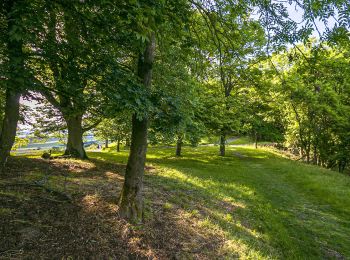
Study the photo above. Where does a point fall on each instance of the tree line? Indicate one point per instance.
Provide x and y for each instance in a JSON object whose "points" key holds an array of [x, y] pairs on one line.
{"points": [[178, 71]]}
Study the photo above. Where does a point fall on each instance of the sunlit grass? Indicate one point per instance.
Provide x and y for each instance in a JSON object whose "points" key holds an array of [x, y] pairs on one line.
{"points": [[266, 206]]}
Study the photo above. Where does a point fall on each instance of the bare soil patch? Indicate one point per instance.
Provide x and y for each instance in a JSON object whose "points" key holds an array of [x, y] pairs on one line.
{"points": [[61, 208]]}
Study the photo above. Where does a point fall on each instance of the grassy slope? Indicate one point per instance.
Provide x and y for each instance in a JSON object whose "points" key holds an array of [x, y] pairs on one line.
{"points": [[263, 205]]}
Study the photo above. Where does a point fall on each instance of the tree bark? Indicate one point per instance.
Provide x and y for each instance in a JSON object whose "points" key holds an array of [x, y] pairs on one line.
{"points": [[118, 145], [256, 140], [315, 155], [127, 142], [75, 145], [14, 83], [106, 143], [222, 144], [131, 201], [9, 126], [178, 145]]}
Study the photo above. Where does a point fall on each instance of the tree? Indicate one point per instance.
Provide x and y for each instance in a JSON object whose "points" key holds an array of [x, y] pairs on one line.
{"points": [[14, 78], [230, 39], [69, 68], [115, 129], [131, 203]]}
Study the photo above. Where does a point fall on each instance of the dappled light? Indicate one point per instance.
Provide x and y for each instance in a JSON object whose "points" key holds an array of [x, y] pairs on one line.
{"points": [[205, 206], [183, 129]]}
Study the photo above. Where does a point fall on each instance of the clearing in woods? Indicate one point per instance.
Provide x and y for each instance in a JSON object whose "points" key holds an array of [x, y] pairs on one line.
{"points": [[249, 204]]}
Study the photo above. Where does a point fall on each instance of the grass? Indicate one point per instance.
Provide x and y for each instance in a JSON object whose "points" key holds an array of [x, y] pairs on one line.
{"points": [[243, 140], [251, 204]]}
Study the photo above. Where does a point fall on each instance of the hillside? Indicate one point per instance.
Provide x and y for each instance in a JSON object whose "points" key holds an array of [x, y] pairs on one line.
{"points": [[250, 204]]}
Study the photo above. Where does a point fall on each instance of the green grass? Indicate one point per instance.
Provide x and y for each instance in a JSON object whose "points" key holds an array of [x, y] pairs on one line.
{"points": [[265, 206], [241, 140]]}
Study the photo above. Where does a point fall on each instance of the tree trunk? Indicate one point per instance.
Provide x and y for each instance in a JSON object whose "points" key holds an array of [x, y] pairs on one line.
{"points": [[308, 153], [75, 145], [131, 201], [118, 145], [9, 126], [106, 143], [127, 142], [222, 144], [15, 82], [315, 155], [178, 145], [256, 140]]}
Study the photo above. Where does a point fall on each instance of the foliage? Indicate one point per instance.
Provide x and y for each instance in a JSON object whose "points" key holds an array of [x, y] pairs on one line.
{"points": [[20, 142]]}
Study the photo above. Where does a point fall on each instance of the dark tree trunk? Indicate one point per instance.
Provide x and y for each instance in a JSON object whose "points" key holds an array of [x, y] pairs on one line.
{"points": [[178, 145], [106, 143], [256, 140], [118, 145], [315, 155], [127, 142], [14, 84], [9, 126], [222, 144], [131, 201], [75, 145]]}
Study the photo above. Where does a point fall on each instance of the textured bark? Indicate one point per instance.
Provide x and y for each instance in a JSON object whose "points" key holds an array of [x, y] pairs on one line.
{"points": [[75, 145], [14, 83], [178, 146], [222, 144], [131, 201], [9, 126]]}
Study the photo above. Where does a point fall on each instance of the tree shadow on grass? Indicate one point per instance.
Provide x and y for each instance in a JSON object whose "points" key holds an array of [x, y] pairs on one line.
{"points": [[289, 222], [192, 211], [38, 224]]}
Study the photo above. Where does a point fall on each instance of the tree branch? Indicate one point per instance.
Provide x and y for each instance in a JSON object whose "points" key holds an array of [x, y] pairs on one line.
{"points": [[88, 128]]}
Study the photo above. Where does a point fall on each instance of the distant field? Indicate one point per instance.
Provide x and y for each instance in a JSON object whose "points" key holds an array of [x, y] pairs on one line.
{"points": [[251, 204]]}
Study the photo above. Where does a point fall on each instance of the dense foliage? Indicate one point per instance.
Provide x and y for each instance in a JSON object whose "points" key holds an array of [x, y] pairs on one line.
{"points": [[184, 70]]}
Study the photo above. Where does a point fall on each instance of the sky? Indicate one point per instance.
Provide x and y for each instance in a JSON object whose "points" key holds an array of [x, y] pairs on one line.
{"points": [[296, 14]]}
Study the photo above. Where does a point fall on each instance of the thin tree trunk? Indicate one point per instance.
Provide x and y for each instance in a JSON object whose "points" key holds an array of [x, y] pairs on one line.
{"points": [[75, 145], [222, 144], [315, 155], [131, 201], [256, 140], [118, 145], [308, 154], [9, 126], [106, 143], [178, 145]]}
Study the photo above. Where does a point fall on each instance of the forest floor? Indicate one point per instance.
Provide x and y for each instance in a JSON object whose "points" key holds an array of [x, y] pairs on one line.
{"points": [[251, 204]]}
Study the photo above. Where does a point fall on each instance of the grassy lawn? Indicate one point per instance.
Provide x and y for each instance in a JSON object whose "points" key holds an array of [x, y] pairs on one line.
{"points": [[251, 204]]}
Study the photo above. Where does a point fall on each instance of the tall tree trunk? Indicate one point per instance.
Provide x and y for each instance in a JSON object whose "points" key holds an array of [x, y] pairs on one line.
{"points": [[315, 155], [178, 145], [9, 126], [118, 145], [307, 154], [256, 140], [15, 82], [106, 143], [222, 143], [75, 145], [131, 201]]}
